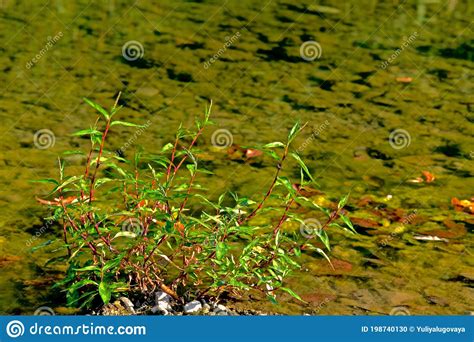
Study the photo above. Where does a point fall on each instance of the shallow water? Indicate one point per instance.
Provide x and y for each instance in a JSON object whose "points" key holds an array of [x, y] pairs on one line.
{"points": [[260, 86]]}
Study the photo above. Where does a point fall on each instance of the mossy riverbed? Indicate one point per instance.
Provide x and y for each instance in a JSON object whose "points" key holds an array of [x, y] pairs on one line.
{"points": [[260, 86]]}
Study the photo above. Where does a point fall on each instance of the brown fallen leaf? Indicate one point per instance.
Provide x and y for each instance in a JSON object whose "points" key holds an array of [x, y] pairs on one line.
{"points": [[364, 223], [429, 177], [252, 153], [58, 201], [235, 152], [306, 191], [365, 201], [317, 298], [463, 205], [404, 79], [8, 259]]}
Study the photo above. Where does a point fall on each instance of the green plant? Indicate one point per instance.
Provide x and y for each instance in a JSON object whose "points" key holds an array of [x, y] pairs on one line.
{"points": [[127, 226]]}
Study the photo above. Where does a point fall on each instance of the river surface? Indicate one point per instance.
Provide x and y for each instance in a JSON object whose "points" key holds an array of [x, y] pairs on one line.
{"points": [[386, 92]]}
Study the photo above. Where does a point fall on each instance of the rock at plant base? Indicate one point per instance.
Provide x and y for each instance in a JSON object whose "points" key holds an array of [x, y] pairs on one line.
{"points": [[127, 303], [161, 296], [161, 307], [162, 303], [192, 307], [221, 307]]}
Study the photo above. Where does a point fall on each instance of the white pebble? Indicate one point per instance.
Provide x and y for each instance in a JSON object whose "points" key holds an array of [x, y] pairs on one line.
{"points": [[193, 306]]}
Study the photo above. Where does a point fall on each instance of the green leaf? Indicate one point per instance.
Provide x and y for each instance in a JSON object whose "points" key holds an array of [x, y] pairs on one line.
{"points": [[274, 144], [67, 153], [348, 223], [303, 165], [323, 236], [98, 108], [191, 168], [89, 131], [167, 147], [291, 293], [125, 234], [297, 252], [272, 154], [272, 299], [320, 251], [67, 182], [88, 268], [124, 123], [46, 180], [343, 202], [294, 131], [112, 264], [221, 250], [76, 286], [105, 291]]}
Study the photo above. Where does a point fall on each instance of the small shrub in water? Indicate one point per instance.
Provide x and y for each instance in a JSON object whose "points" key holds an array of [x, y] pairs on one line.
{"points": [[128, 229]]}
